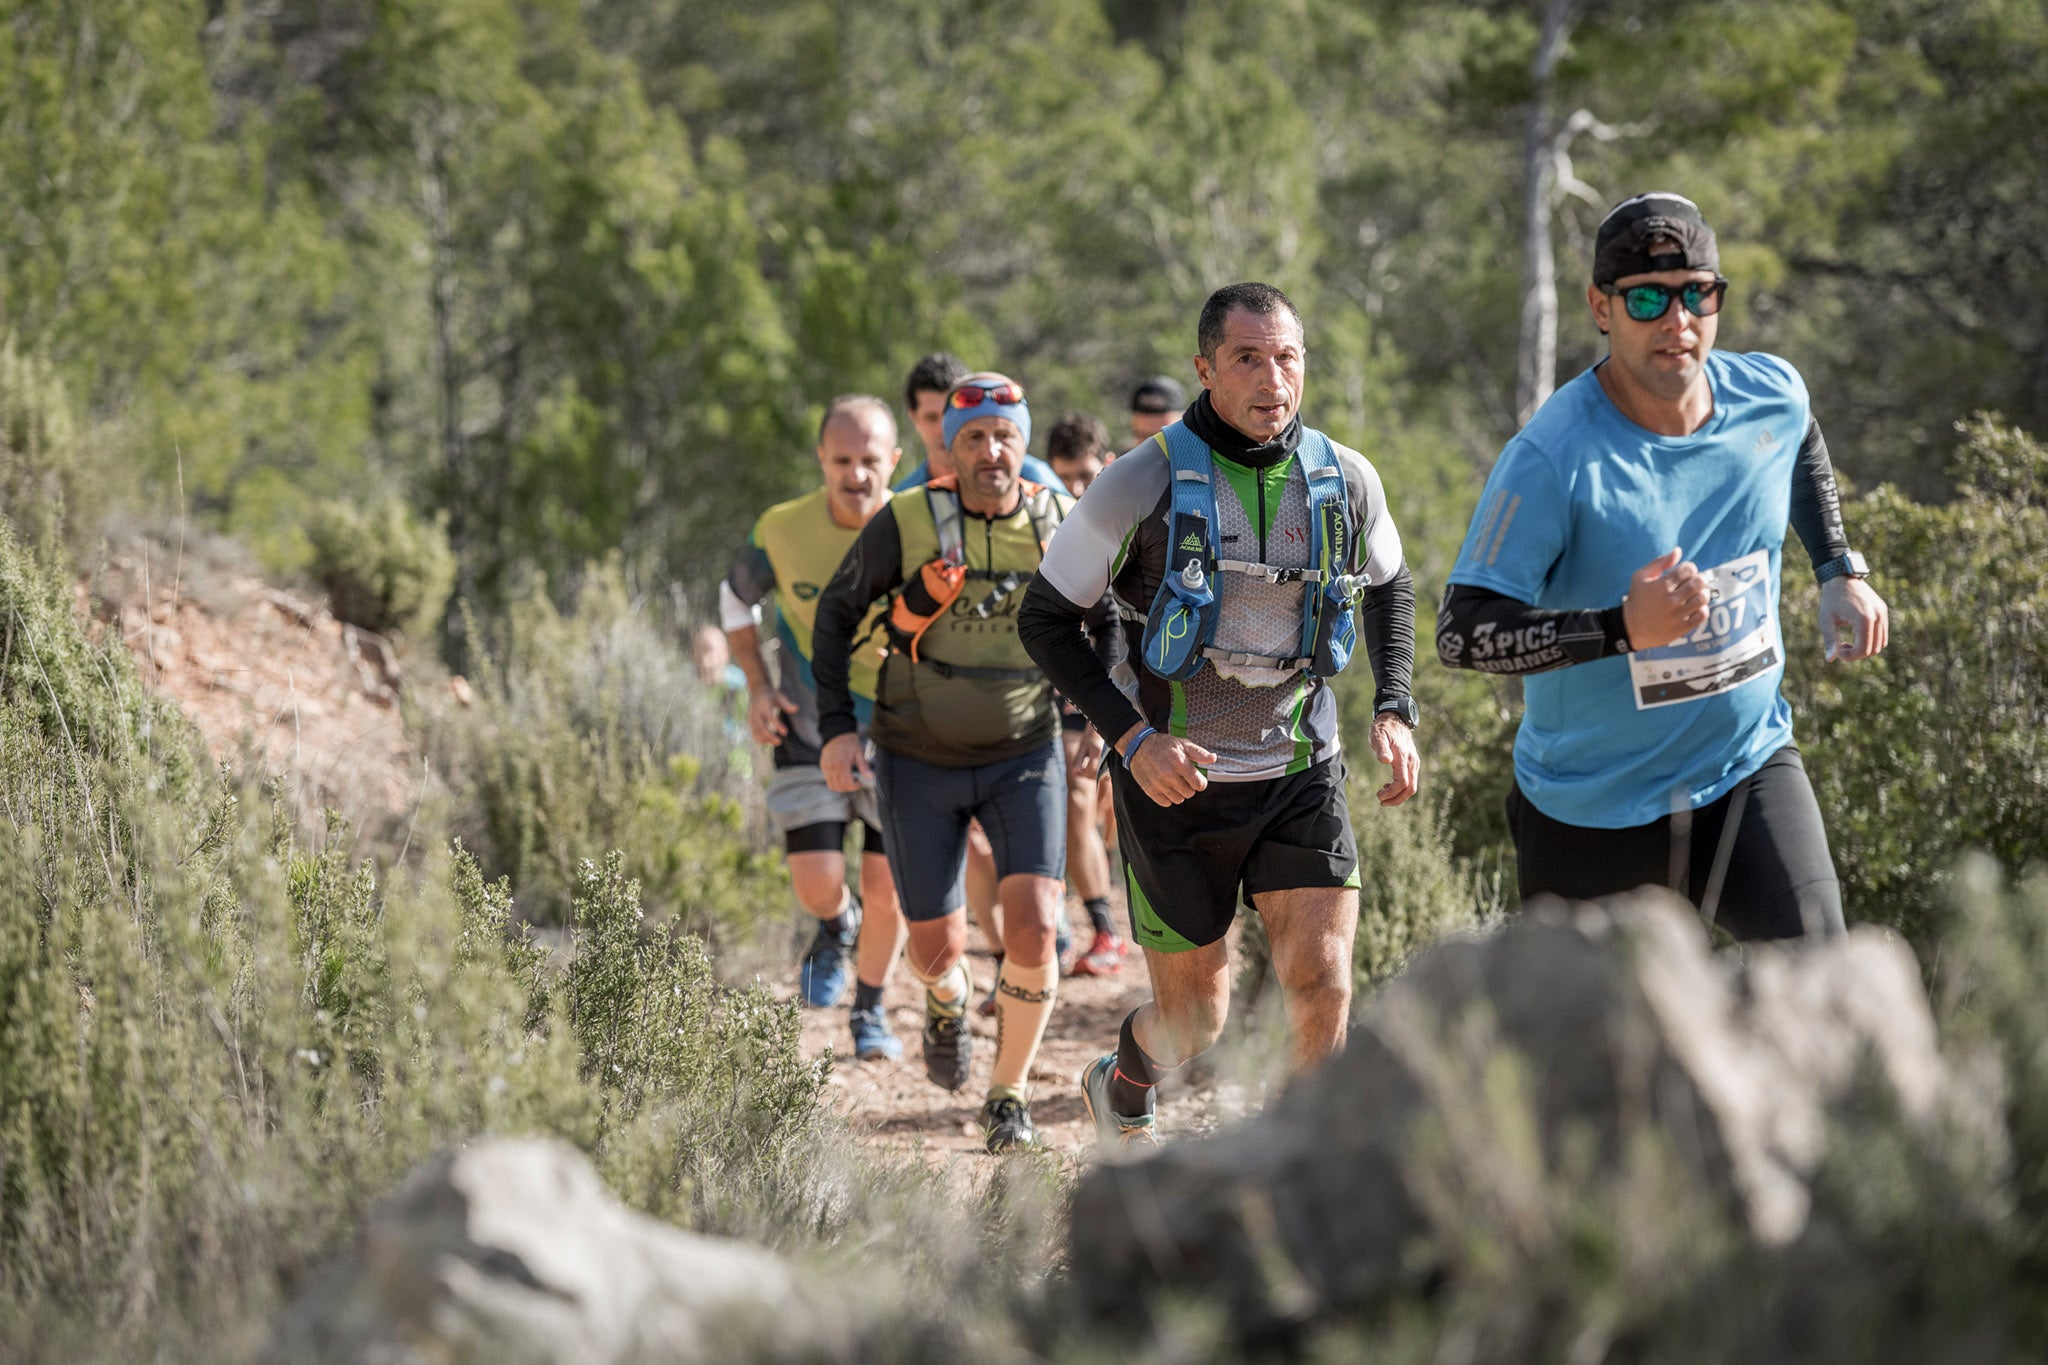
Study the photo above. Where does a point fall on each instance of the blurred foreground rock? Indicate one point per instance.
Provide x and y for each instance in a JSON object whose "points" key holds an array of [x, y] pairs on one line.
{"points": [[1542, 1053], [512, 1251]]}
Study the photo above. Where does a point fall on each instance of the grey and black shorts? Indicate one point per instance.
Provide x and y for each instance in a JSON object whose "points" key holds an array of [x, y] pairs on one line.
{"points": [[813, 818], [1022, 806]]}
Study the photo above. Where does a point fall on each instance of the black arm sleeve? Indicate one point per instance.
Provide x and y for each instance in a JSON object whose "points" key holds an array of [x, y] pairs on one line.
{"points": [[1816, 502], [871, 568], [1105, 632], [1051, 628], [1387, 625], [1482, 629]]}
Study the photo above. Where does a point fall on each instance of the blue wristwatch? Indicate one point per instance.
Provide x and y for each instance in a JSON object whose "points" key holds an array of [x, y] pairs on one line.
{"points": [[1852, 564]]}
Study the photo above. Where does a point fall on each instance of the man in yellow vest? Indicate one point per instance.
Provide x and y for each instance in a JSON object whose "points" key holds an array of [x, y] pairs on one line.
{"points": [[965, 727], [792, 552]]}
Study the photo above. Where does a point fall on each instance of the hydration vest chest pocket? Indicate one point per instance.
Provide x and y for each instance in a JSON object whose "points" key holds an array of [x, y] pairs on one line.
{"points": [[1183, 620]]}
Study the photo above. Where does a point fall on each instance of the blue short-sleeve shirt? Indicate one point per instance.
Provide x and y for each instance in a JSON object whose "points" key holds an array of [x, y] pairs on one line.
{"points": [[1580, 500]]}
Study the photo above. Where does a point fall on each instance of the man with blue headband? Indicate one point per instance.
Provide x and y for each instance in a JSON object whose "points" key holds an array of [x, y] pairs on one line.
{"points": [[965, 728]]}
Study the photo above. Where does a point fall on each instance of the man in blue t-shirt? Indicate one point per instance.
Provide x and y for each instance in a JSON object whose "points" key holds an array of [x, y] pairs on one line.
{"points": [[1625, 558]]}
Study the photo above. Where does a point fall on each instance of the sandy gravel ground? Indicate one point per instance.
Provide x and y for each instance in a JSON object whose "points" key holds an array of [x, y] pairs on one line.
{"points": [[893, 1108]]}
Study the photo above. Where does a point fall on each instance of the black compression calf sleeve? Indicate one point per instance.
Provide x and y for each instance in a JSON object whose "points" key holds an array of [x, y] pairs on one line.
{"points": [[1130, 1085], [1098, 914]]}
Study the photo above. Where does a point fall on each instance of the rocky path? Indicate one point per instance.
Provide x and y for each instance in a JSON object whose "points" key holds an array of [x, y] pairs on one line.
{"points": [[895, 1109]]}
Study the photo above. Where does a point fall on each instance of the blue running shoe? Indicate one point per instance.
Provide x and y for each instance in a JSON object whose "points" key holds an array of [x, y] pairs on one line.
{"points": [[828, 962], [872, 1040]]}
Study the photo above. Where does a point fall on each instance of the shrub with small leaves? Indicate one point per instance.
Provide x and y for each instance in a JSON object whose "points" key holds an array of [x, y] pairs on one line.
{"points": [[40, 477], [592, 731], [221, 1039], [385, 567], [1940, 744]]}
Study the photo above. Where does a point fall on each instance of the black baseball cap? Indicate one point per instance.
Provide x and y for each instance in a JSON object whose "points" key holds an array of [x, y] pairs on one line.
{"points": [[1159, 394], [1621, 248]]}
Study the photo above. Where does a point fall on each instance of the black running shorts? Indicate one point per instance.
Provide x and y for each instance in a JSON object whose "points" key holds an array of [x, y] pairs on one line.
{"points": [[1776, 879], [1185, 865]]}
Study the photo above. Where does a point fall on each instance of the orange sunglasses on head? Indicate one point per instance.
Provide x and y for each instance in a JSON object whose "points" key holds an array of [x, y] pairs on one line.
{"points": [[974, 395]]}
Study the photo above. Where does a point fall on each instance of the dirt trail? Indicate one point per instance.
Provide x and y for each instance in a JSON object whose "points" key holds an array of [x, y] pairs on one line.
{"points": [[895, 1109]]}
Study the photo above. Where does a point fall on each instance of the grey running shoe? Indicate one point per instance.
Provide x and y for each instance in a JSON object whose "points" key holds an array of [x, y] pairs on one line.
{"points": [[1113, 1131], [948, 1046], [1006, 1124]]}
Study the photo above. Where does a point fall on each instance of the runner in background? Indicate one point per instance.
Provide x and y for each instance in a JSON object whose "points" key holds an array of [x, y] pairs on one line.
{"points": [[1077, 448], [792, 552], [965, 728], [924, 397], [1156, 404]]}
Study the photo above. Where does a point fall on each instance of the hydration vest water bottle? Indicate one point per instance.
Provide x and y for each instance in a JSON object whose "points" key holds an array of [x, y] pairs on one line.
{"points": [[1182, 620]]}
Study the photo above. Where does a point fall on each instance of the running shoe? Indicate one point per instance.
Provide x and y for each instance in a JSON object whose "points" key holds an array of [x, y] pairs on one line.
{"points": [[948, 1046], [1006, 1124], [827, 964], [872, 1039], [1115, 1132], [1105, 956]]}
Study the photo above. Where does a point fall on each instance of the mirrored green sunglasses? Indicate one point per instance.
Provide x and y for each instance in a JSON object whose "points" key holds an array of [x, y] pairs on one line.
{"points": [[1648, 302]]}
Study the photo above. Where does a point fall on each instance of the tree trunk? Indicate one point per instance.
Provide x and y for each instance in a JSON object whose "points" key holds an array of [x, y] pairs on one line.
{"points": [[429, 150], [1536, 358]]}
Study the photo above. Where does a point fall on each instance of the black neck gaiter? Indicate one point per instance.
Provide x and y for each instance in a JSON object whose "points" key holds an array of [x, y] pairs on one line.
{"points": [[1232, 444]]}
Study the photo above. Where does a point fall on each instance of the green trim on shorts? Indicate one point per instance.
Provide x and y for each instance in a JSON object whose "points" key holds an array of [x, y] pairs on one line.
{"points": [[1354, 881], [1150, 930], [1177, 723]]}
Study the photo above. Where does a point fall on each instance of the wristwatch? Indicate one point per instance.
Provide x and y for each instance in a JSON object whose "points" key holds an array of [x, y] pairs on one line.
{"points": [[1852, 564], [1404, 708]]}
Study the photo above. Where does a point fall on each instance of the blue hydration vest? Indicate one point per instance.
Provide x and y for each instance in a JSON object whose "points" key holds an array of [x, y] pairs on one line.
{"points": [[1180, 628]]}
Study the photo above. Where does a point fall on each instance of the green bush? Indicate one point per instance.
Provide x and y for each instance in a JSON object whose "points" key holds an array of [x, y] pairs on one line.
{"points": [[219, 1039], [591, 730], [40, 477], [385, 568], [1413, 888], [1940, 745]]}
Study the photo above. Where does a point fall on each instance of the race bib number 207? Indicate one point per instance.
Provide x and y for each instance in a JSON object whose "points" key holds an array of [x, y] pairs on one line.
{"points": [[1734, 645]]}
